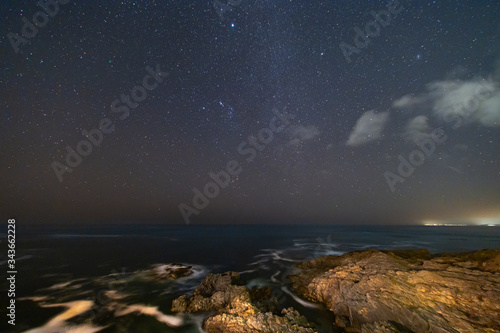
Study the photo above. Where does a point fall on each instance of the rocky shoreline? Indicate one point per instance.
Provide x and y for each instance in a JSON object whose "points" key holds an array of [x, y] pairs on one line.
{"points": [[367, 291], [239, 309]]}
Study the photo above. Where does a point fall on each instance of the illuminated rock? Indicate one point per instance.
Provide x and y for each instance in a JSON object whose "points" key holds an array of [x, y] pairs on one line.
{"points": [[411, 290]]}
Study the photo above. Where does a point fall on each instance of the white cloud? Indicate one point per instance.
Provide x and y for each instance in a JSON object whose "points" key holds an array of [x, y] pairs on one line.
{"points": [[368, 128], [301, 133], [417, 128], [458, 101], [489, 111], [461, 98], [407, 101]]}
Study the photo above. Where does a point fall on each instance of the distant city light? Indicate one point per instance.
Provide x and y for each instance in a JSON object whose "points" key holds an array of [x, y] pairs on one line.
{"points": [[476, 221]]}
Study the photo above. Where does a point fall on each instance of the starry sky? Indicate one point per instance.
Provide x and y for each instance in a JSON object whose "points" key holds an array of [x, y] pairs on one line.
{"points": [[250, 111]]}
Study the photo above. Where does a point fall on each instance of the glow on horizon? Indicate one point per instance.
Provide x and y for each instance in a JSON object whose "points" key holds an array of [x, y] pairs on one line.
{"points": [[490, 221], [493, 221]]}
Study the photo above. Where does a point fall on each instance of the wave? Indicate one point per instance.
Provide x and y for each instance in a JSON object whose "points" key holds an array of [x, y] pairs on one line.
{"points": [[259, 262], [65, 285], [273, 254], [82, 236], [59, 322], [28, 256], [172, 321], [273, 277], [258, 282], [33, 298], [248, 271], [198, 320], [330, 253], [300, 300]]}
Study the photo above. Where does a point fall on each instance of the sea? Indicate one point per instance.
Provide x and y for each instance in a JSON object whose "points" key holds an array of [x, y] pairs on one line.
{"points": [[95, 279]]}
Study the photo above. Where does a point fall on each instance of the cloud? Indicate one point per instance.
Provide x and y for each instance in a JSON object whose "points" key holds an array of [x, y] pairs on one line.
{"points": [[417, 128], [368, 128], [459, 101], [301, 133], [407, 101], [464, 99], [489, 111]]}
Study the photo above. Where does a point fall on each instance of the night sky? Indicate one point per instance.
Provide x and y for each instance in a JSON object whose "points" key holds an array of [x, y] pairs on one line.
{"points": [[301, 111]]}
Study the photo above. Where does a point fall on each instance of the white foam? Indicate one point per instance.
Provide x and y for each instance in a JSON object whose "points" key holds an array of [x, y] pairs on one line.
{"points": [[198, 319], [334, 253], [273, 254], [64, 285], [300, 300], [34, 298], [198, 271], [28, 256], [67, 329], [82, 329], [172, 321], [258, 282], [273, 278], [258, 262], [247, 271], [58, 323], [287, 259], [82, 236], [115, 295], [304, 244]]}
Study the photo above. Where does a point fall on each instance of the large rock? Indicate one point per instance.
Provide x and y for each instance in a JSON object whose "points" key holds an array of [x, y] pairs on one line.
{"points": [[216, 292], [162, 272], [406, 291], [238, 309]]}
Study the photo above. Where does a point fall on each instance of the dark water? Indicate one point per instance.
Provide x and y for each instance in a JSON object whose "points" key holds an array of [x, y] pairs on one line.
{"points": [[68, 266]]}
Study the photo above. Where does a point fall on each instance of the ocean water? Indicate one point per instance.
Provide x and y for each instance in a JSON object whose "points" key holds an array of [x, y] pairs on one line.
{"points": [[69, 278]]}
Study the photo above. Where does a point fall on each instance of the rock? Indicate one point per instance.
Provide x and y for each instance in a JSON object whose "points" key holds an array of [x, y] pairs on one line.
{"points": [[380, 327], [406, 291], [217, 291], [262, 298], [237, 312], [165, 272], [290, 322]]}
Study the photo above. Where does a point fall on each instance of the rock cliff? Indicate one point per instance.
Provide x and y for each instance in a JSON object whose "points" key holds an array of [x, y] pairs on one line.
{"points": [[406, 291]]}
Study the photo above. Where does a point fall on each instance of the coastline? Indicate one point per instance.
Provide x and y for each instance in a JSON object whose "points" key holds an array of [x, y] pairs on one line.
{"points": [[366, 291], [130, 292]]}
